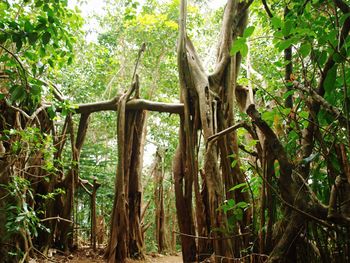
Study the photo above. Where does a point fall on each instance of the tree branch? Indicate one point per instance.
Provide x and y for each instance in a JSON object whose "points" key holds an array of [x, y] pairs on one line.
{"points": [[337, 114], [134, 104], [228, 130], [267, 9], [342, 6]]}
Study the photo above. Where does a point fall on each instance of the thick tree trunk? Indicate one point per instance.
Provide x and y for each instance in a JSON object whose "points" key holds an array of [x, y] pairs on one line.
{"points": [[210, 99], [136, 242], [126, 239], [183, 195], [158, 175]]}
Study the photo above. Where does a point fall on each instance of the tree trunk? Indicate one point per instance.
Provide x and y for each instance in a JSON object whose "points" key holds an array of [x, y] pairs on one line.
{"points": [[210, 99], [126, 239], [158, 175]]}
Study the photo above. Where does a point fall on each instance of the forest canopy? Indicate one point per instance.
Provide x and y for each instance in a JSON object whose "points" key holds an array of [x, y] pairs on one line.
{"points": [[220, 130]]}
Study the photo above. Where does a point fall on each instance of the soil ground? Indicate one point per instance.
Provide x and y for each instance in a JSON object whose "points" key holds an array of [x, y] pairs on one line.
{"points": [[89, 256]]}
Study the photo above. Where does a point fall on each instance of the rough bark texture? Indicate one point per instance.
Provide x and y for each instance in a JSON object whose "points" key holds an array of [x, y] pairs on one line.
{"points": [[208, 102], [158, 176], [126, 239]]}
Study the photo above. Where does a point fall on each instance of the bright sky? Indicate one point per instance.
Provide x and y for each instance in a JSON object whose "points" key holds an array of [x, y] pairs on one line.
{"points": [[90, 7]]}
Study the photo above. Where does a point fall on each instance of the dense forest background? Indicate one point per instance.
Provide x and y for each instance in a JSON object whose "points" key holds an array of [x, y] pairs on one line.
{"points": [[217, 129]]}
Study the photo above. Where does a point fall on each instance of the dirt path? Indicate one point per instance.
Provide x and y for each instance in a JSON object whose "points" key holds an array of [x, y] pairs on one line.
{"points": [[164, 259], [149, 259], [88, 256]]}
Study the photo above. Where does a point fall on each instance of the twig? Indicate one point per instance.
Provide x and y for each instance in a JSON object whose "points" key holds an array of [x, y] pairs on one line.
{"points": [[210, 238], [320, 221], [58, 218], [325, 104], [19, 62], [142, 49], [42, 254], [267, 9], [84, 187], [239, 259], [228, 130]]}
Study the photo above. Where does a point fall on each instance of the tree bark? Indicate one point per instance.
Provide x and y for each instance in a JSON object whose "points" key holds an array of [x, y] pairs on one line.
{"points": [[126, 239]]}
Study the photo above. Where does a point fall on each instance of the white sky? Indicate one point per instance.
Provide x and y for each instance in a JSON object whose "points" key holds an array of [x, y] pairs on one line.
{"points": [[96, 7], [91, 6]]}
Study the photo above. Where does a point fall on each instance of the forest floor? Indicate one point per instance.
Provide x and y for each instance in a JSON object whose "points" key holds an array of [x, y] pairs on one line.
{"points": [[89, 256]]}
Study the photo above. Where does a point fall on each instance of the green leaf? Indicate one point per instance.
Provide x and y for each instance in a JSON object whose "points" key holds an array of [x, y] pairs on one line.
{"points": [[52, 111], [287, 28], [17, 93], [39, 3], [28, 27], [284, 44], [238, 186], [234, 163], [343, 18], [35, 90], [322, 58], [231, 203], [248, 31], [268, 116], [32, 37], [276, 22], [305, 49], [70, 60], [237, 46], [46, 38], [50, 61], [18, 40], [330, 78], [239, 214], [288, 93], [242, 205], [244, 49], [3, 38]]}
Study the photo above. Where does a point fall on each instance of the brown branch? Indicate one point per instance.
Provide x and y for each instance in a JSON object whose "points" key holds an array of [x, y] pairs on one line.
{"points": [[342, 6], [56, 91], [43, 255], [211, 238], [267, 9], [232, 24], [228, 130], [141, 104], [144, 210], [20, 64], [337, 114], [296, 209], [58, 218], [134, 104], [142, 49], [145, 227], [83, 125], [110, 105], [241, 259], [82, 184]]}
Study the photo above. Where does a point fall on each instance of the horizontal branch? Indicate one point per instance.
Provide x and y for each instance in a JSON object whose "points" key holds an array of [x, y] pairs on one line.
{"points": [[211, 238], [228, 130], [58, 218], [134, 104], [141, 104], [110, 105]]}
